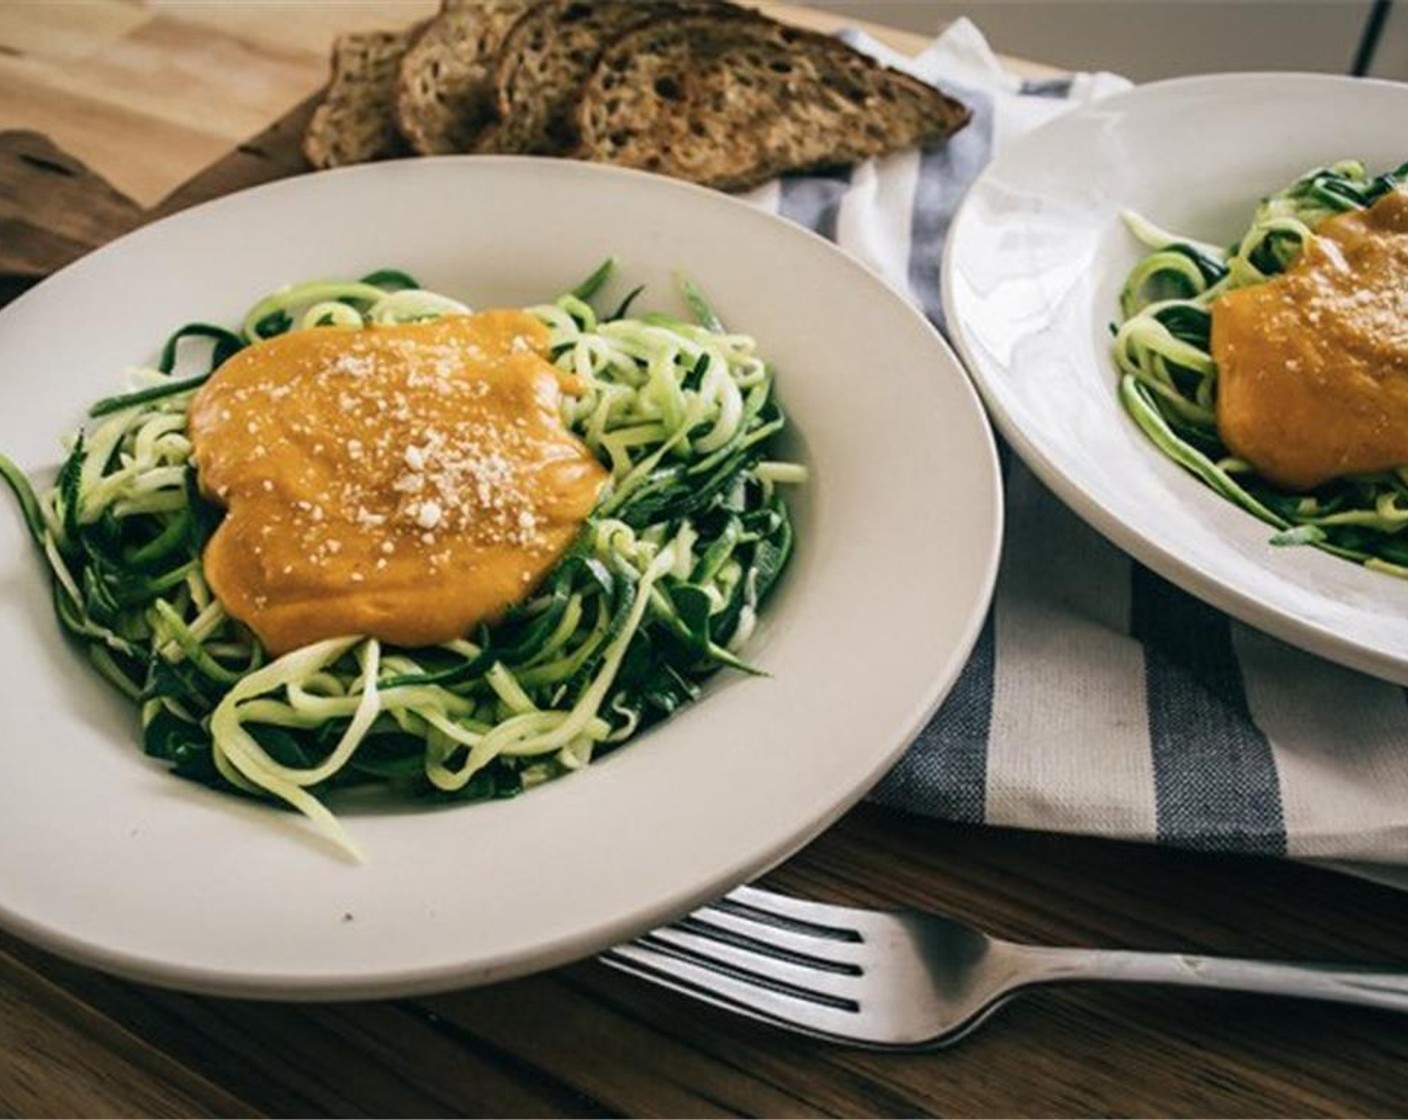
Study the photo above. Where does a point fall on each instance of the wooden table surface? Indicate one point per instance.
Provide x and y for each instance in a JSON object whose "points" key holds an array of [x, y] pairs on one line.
{"points": [[147, 96]]}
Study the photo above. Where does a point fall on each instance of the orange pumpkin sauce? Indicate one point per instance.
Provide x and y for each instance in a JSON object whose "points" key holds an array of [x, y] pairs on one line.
{"points": [[403, 482], [1312, 366]]}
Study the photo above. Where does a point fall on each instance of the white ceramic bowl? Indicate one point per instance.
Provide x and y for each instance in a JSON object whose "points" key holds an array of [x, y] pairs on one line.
{"points": [[1035, 261], [107, 858]]}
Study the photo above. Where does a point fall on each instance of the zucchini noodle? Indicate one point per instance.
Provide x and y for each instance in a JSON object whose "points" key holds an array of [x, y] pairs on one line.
{"points": [[1168, 379], [661, 588]]}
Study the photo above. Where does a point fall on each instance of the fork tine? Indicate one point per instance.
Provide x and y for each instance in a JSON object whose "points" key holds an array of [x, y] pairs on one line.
{"points": [[746, 930], [819, 918], [757, 962], [662, 965]]}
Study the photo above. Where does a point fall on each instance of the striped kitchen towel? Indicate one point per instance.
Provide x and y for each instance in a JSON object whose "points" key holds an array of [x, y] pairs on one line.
{"points": [[1100, 699]]}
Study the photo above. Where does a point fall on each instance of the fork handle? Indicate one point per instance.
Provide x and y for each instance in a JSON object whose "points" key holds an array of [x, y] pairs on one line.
{"points": [[1385, 987]]}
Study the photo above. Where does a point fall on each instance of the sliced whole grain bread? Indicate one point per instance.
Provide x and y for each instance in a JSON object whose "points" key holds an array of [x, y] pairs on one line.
{"points": [[353, 123], [444, 91], [732, 103], [548, 57]]}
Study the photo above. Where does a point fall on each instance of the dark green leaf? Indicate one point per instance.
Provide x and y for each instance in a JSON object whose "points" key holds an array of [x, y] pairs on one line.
{"points": [[625, 306], [592, 284], [391, 279]]}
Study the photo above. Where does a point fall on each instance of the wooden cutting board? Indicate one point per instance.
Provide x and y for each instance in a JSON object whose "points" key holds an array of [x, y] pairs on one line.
{"points": [[54, 209]]}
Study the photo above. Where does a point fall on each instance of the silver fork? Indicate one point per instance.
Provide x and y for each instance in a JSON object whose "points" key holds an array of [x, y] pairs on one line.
{"points": [[906, 980]]}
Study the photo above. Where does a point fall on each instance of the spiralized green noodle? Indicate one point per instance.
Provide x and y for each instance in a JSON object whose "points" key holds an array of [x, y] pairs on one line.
{"points": [[661, 588], [1168, 381]]}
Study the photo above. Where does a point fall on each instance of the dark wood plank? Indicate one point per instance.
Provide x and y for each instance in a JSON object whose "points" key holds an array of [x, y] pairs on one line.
{"points": [[53, 209], [355, 1059], [61, 1057]]}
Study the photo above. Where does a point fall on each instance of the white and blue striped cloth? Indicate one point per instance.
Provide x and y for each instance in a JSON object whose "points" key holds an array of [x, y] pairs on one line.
{"points": [[1100, 699]]}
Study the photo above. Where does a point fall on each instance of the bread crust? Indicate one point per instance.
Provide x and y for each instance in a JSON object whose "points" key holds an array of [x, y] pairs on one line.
{"points": [[549, 55], [731, 104], [353, 123], [703, 90], [444, 94]]}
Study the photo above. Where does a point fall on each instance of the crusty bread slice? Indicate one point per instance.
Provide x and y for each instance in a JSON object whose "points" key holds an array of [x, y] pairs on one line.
{"points": [[732, 103], [549, 55], [445, 90], [353, 123]]}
